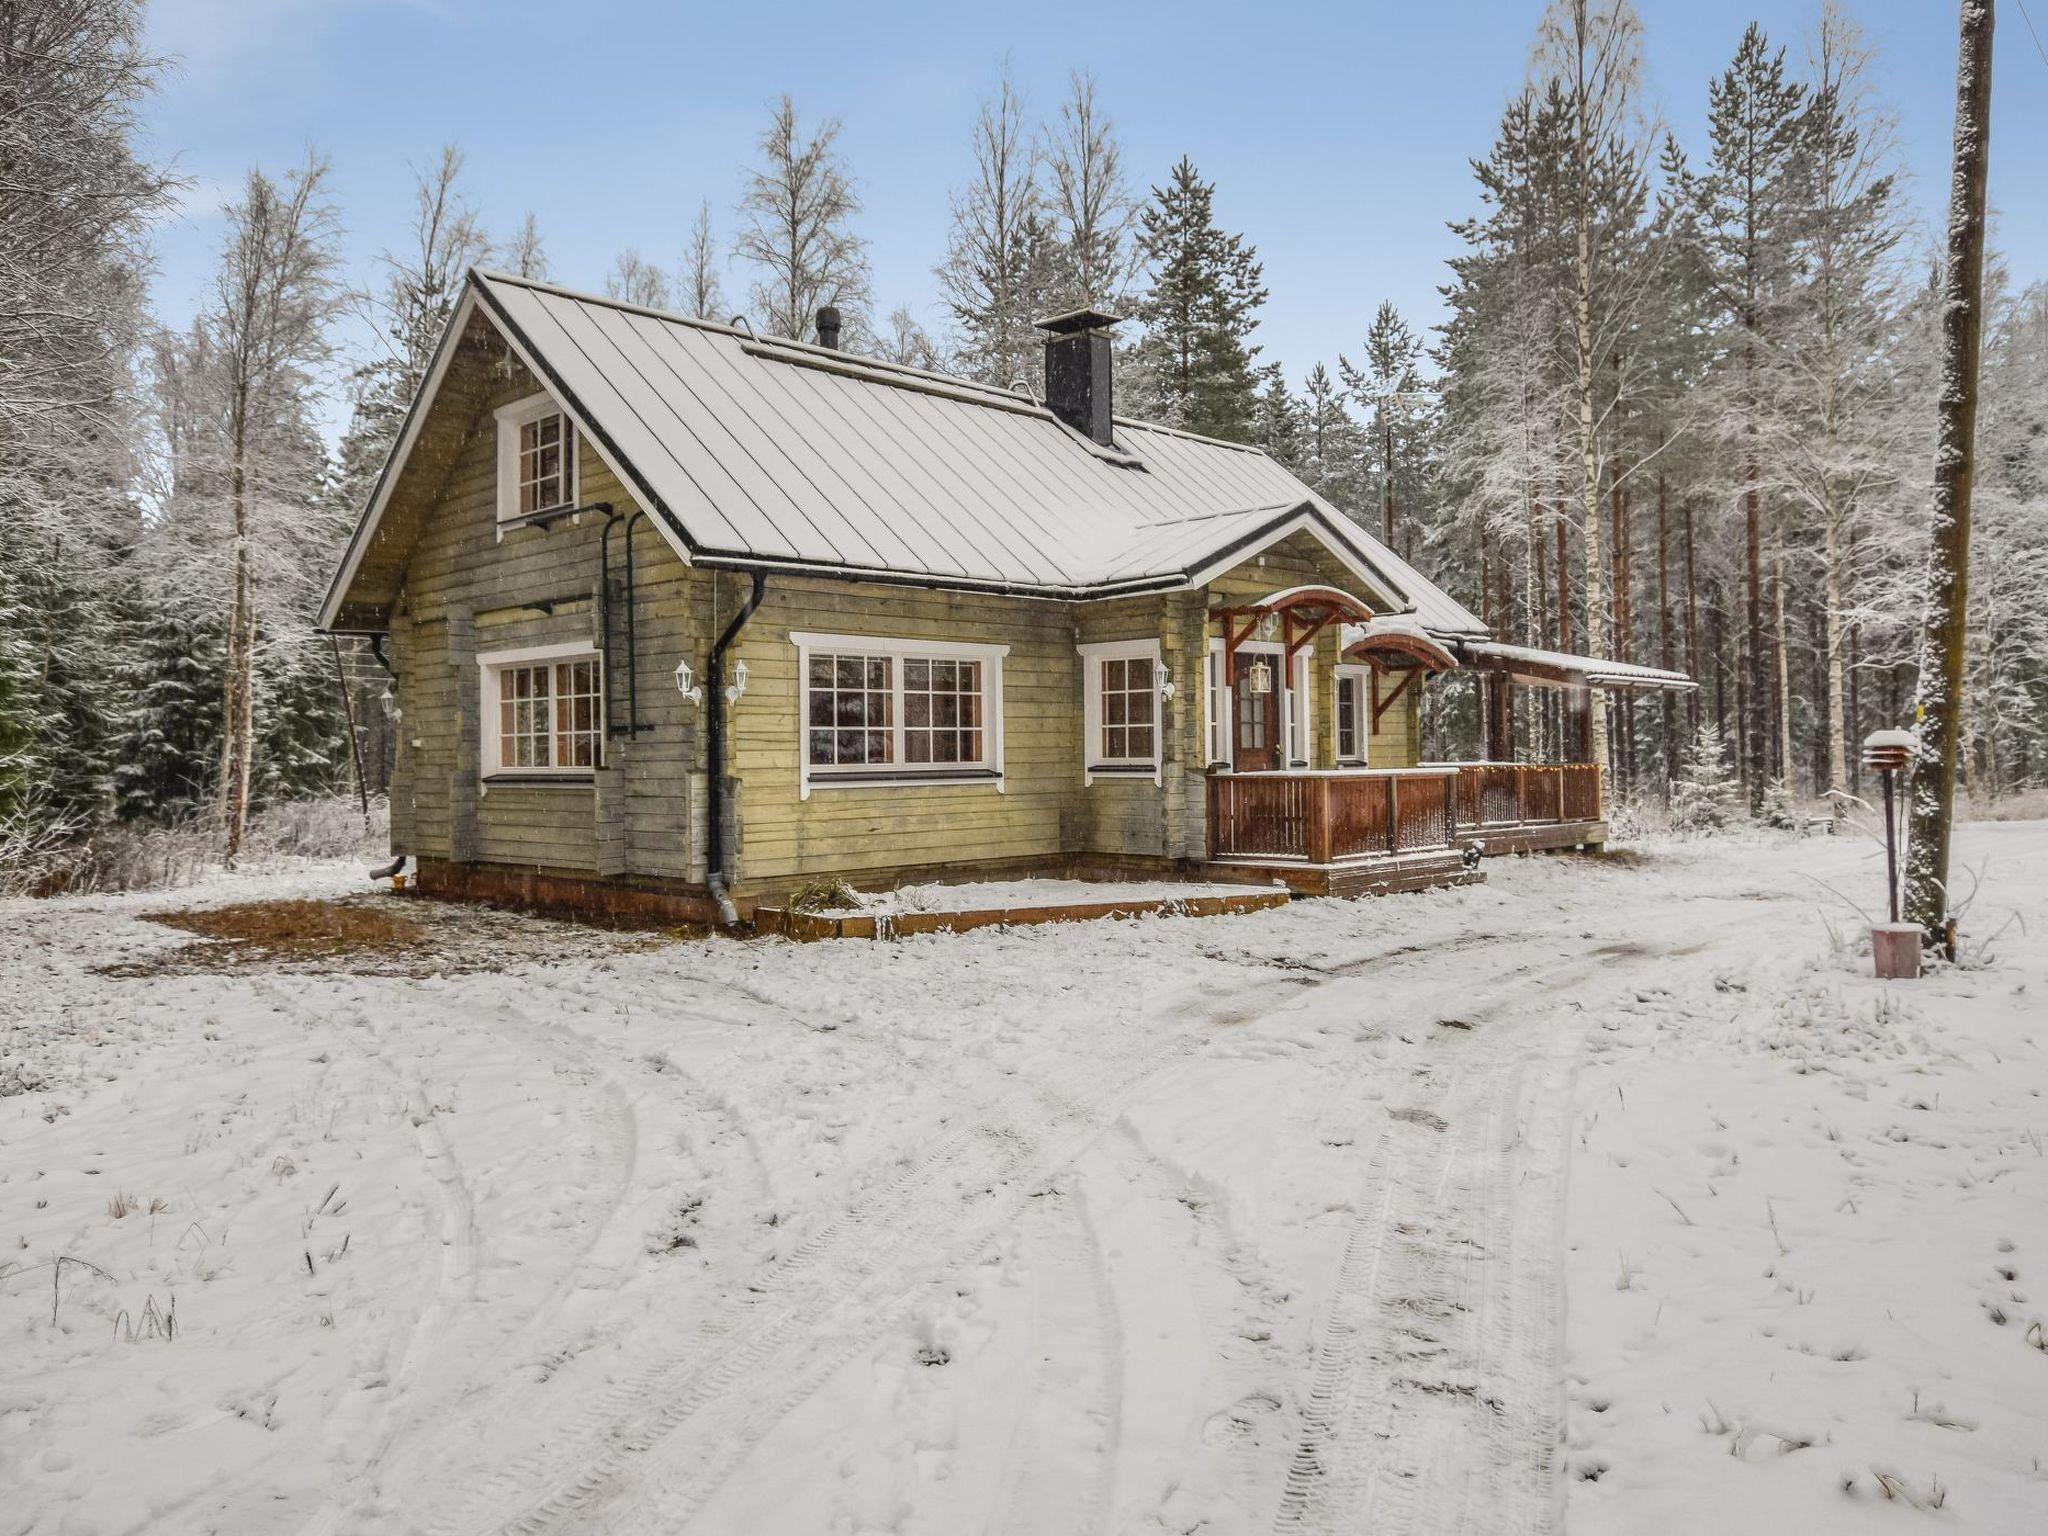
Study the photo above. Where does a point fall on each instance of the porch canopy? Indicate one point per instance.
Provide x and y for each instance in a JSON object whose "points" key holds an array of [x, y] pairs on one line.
{"points": [[1561, 669], [1396, 640], [1303, 613]]}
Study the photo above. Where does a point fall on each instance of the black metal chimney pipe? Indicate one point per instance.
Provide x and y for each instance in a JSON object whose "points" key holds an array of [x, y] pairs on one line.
{"points": [[1077, 373], [828, 326]]}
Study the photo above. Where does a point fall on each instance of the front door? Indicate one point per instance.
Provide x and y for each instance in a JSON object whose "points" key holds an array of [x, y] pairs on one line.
{"points": [[1257, 743]]}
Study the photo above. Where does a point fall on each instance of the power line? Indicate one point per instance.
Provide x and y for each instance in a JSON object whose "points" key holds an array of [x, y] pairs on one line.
{"points": [[2022, 4]]}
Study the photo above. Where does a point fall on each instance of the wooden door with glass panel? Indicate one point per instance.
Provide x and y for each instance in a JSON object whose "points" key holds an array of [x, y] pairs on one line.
{"points": [[1255, 691]]}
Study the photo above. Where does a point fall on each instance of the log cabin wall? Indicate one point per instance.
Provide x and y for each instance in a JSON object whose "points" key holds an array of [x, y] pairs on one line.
{"points": [[467, 592]]}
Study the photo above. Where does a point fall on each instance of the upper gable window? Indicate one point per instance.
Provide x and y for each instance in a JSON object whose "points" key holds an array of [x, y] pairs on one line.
{"points": [[536, 458]]}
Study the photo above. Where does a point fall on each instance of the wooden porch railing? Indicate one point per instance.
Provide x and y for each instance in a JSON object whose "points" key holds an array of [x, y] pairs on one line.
{"points": [[1326, 817]]}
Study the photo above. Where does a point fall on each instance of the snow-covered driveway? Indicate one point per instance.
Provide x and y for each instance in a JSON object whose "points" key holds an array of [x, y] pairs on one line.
{"points": [[1228, 1225]]}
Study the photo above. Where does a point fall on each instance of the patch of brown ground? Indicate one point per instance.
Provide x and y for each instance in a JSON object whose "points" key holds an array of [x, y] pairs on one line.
{"points": [[298, 930], [380, 934]]}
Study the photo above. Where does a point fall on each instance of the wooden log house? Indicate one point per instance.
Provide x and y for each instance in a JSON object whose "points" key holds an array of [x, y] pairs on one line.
{"points": [[679, 617]]}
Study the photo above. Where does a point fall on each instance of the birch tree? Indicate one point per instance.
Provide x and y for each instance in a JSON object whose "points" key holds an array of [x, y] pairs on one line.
{"points": [[1831, 376], [796, 230], [699, 289], [1094, 211], [1592, 51], [635, 280], [997, 276], [274, 297]]}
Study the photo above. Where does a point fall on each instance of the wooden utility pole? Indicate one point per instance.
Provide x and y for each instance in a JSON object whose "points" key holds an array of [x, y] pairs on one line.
{"points": [[1938, 710]]}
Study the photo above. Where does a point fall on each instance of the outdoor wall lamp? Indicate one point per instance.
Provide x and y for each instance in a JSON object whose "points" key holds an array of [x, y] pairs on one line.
{"points": [[686, 684], [739, 683], [1164, 679]]}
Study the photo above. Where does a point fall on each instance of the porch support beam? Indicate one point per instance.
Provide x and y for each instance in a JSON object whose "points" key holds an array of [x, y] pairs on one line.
{"points": [[1381, 705]]}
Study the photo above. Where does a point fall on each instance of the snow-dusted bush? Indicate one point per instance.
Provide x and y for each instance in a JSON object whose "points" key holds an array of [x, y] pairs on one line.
{"points": [[44, 857], [320, 827], [1702, 799], [1777, 808]]}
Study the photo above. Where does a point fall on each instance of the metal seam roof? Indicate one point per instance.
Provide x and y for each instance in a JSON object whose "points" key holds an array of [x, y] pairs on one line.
{"points": [[757, 449]]}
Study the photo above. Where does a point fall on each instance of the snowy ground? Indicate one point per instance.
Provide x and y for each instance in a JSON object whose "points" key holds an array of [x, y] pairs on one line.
{"points": [[1220, 1225]]}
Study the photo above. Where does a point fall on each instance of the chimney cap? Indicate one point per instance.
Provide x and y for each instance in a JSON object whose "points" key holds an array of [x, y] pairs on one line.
{"points": [[1076, 321]]}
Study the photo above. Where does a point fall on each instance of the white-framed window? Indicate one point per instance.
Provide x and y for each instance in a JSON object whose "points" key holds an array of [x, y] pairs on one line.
{"points": [[1123, 723], [542, 711], [536, 458], [881, 710], [1215, 705], [1353, 715]]}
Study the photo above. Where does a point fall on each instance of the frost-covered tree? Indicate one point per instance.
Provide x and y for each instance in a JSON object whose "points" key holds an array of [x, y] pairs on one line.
{"points": [[1094, 214], [796, 230], [1830, 376], [1703, 797], [169, 742], [76, 196], [635, 280], [525, 255], [1751, 204], [255, 516], [998, 273], [698, 288]]}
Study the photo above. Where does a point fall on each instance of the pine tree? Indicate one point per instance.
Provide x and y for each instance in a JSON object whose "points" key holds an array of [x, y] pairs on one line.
{"points": [[1389, 384], [1199, 312], [1280, 429], [1749, 208], [1333, 459]]}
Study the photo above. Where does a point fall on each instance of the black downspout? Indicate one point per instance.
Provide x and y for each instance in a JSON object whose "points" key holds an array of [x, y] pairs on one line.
{"points": [[714, 753]]}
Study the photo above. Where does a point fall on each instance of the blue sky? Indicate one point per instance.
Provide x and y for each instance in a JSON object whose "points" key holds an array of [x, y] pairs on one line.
{"points": [[1338, 134]]}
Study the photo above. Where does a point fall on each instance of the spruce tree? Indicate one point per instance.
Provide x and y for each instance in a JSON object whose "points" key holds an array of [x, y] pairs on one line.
{"points": [[169, 743], [1200, 311], [1748, 216]]}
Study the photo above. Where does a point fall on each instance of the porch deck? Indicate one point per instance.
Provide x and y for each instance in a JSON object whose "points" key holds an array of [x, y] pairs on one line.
{"points": [[1356, 831]]}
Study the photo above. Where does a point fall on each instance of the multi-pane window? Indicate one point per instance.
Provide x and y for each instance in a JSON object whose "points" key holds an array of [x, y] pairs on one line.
{"points": [[536, 458], [881, 710], [545, 443], [851, 710], [941, 710], [1130, 698], [549, 715], [1124, 718]]}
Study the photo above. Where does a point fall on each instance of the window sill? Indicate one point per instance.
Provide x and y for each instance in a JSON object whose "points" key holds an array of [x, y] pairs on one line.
{"points": [[1125, 770], [539, 780], [895, 777]]}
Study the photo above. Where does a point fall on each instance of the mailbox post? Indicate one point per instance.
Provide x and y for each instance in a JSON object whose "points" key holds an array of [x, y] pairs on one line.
{"points": [[1894, 946]]}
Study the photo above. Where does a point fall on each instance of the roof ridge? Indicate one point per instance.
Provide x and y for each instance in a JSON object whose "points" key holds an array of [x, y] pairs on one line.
{"points": [[748, 335]]}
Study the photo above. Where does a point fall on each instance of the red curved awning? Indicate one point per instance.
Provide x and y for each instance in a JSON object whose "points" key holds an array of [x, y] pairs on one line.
{"points": [[1304, 612], [1410, 645]]}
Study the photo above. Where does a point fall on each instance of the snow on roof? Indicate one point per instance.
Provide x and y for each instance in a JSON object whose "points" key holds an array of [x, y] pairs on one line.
{"points": [[1592, 671], [756, 451]]}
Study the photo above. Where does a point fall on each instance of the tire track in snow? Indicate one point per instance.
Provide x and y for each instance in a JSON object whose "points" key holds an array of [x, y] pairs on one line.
{"points": [[1057, 1474], [1435, 1401]]}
